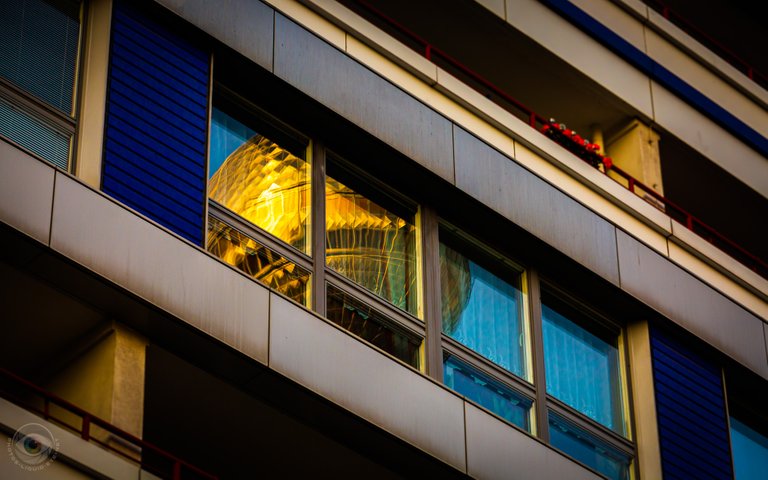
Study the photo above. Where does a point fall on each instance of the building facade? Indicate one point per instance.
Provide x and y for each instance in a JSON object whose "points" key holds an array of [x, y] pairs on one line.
{"points": [[382, 239]]}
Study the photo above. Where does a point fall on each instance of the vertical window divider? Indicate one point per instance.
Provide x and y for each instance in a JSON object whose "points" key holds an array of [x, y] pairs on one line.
{"points": [[537, 352], [432, 300], [317, 189]]}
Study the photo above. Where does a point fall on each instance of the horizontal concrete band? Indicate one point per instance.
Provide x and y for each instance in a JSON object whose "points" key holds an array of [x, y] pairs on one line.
{"points": [[187, 282]]}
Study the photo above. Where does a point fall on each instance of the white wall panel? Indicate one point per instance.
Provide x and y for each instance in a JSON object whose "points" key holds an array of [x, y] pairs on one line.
{"points": [[159, 267]]}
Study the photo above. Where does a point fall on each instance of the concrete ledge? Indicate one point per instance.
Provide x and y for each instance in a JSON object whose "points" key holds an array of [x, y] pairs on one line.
{"points": [[160, 267], [26, 192], [336, 365]]}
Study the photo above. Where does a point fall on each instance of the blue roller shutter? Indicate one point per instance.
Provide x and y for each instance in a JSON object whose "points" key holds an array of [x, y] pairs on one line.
{"points": [[693, 430], [156, 126]]}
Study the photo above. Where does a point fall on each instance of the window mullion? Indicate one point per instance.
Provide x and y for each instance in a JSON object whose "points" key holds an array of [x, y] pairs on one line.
{"points": [[537, 353], [318, 228], [432, 300]]}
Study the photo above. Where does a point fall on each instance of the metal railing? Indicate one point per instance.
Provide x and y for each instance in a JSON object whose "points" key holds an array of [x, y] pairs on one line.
{"points": [[52, 408], [721, 50], [539, 123]]}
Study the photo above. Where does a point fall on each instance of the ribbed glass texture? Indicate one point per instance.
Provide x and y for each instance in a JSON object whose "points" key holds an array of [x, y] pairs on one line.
{"points": [[260, 180], [38, 48], [371, 245], [258, 261], [34, 135], [372, 326]]}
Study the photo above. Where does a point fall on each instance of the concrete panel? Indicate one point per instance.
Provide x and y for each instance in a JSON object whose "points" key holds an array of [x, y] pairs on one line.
{"points": [[303, 15], [741, 282], [363, 97], [496, 450], [160, 267], [616, 19], [535, 205], [710, 139], [358, 377], [581, 51], [244, 25], [108, 464], [707, 82], [26, 192], [687, 301]]}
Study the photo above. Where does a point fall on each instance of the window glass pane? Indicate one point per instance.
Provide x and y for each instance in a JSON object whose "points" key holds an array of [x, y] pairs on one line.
{"points": [[371, 245], [259, 179], [483, 311], [38, 48], [493, 395], [256, 260], [582, 369], [587, 449], [750, 452], [34, 135], [374, 327]]}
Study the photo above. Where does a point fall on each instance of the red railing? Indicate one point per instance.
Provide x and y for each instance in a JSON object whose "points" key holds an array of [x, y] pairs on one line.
{"points": [[18, 390], [726, 53], [486, 87]]}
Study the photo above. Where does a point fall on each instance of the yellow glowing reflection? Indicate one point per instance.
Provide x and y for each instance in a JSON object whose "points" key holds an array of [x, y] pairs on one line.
{"points": [[370, 245], [268, 186], [256, 260]]}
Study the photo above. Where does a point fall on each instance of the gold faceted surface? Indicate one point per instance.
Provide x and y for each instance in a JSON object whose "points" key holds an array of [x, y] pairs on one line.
{"points": [[268, 186]]}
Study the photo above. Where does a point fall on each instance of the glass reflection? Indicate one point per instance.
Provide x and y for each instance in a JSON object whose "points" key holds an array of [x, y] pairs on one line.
{"points": [[256, 260], [483, 311], [582, 368], [260, 180], [750, 452], [372, 326], [493, 395], [587, 449], [371, 245]]}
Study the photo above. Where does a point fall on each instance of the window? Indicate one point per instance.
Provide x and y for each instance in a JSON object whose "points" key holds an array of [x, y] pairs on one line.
{"points": [[750, 451], [39, 42], [314, 226]]}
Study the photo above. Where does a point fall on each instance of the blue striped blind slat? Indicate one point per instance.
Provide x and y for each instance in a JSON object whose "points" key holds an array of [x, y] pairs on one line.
{"points": [[164, 93], [156, 56], [158, 190], [117, 143], [157, 120], [130, 195], [693, 432], [134, 178], [138, 120], [182, 52]]}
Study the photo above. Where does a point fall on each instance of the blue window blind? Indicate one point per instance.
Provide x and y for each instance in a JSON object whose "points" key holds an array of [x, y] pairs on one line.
{"points": [[582, 365], [33, 134], [156, 128], [693, 431], [38, 48]]}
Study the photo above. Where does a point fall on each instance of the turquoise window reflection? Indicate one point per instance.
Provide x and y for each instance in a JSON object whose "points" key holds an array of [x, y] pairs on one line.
{"points": [[227, 135], [483, 311], [750, 452], [493, 395], [587, 449], [582, 368]]}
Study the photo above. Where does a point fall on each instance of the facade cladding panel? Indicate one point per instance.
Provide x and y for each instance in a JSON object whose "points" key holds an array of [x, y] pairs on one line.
{"points": [[156, 128], [693, 431]]}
